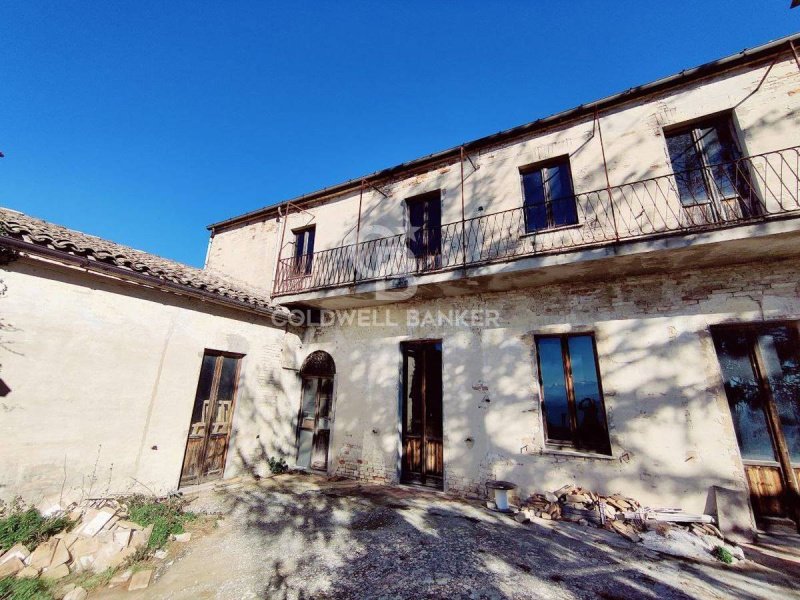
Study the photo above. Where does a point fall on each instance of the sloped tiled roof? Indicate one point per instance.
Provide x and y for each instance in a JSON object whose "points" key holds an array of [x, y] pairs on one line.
{"points": [[22, 227]]}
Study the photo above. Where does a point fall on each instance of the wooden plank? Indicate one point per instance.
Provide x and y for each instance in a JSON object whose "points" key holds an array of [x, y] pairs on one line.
{"points": [[766, 490]]}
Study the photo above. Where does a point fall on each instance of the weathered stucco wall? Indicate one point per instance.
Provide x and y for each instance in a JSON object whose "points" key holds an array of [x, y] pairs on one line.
{"points": [[670, 426], [766, 119], [103, 377]]}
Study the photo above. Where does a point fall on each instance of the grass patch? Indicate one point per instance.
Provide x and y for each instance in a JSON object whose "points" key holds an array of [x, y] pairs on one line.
{"points": [[277, 465], [167, 518], [90, 581], [12, 588], [28, 527], [723, 554]]}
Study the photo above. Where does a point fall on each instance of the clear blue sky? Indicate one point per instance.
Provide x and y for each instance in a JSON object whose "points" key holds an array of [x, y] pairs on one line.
{"points": [[143, 122]]}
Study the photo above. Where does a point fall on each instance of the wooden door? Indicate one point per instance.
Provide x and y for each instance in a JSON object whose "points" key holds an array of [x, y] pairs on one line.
{"points": [[761, 370], [425, 230], [212, 416], [313, 436], [423, 451]]}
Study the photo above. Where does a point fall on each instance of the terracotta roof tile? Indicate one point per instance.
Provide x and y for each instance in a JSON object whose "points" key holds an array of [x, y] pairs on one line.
{"points": [[35, 231]]}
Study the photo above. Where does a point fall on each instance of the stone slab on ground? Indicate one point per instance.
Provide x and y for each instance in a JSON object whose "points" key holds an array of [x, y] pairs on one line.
{"points": [[140, 580], [28, 573], [11, 567], [17, 551], [42, 556], [57, 572], [77, 593]]}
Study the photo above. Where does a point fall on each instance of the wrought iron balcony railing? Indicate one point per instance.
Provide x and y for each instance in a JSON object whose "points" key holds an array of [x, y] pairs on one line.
{"points": [[747, 190]]}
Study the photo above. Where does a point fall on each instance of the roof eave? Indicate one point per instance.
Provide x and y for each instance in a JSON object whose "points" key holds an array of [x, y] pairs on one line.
{"points": [[30, 248]]}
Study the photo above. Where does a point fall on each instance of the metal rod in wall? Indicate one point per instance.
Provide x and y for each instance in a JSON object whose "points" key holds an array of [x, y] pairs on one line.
{"points": [[463, 216], [278, 263], [358, 232], [794, 51], [605, 170]]}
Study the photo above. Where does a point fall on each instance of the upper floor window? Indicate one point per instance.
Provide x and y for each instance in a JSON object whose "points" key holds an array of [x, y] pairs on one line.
{"points": [[704, 158], [425, 229], [574, 414], [304, 249], [549, 198]]}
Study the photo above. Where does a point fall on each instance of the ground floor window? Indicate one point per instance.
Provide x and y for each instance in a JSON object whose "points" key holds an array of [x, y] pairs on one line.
{"points": [[572, 397]]}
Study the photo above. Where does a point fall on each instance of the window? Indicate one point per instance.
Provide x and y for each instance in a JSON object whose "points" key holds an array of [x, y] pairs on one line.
{"points": [[549, 198], [704, 159], [425, 229], [574, 414], [304, 250]]}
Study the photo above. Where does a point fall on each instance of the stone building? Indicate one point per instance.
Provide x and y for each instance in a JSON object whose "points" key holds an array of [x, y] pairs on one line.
{"points": [[608, 297]]}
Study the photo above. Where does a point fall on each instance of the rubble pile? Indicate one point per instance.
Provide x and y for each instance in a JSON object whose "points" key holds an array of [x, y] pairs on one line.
{"points": [[667, 530], [100, 539]]}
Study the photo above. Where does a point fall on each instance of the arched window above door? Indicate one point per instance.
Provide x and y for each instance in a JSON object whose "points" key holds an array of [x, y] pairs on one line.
{"points": [[318, 364]]}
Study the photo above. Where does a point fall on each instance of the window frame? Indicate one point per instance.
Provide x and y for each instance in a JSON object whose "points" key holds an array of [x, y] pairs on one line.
{"points": [[562, 161], [574, 444], [717, 121], [302, 266]]}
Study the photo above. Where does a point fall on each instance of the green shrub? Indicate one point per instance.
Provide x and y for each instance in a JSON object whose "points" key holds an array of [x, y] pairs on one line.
{"points": [[12, 588], [277, 465], [167, 518], [723, 554], [28, 527]]}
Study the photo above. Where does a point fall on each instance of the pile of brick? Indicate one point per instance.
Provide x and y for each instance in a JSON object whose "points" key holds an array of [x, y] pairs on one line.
{"points": [[614, 512], [102, 538]]}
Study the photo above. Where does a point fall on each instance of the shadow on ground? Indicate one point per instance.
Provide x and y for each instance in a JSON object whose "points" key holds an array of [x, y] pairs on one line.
{"points": [[298, 537]]}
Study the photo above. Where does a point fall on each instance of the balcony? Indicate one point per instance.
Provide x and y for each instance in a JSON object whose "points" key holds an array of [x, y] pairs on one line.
{"points": [[748, 191]]}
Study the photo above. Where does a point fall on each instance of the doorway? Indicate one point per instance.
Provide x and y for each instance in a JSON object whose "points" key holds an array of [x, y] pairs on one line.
{"points": [[316, 408], [425, 230], [423, 457], [760, 366], [212, 416]]}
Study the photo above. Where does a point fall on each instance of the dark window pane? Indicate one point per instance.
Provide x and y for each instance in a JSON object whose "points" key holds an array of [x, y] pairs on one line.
{"points": [[590, 415], [227, 378], [433, 382], [688, 167], [309, 397], [414, 399], [534, 206], [203, 391], [744, 398], [304, 249], [779, 352], [562, 200], [719, 152], [434, 225], [325, 396], [554, 389], [416, 233]]}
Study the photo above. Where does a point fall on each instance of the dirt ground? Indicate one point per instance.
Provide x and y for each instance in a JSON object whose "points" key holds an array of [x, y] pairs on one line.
{"points": [[303, 537]]}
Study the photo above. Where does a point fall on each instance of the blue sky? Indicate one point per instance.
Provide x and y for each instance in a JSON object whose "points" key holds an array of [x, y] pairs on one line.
{"points": [[143, 122]]}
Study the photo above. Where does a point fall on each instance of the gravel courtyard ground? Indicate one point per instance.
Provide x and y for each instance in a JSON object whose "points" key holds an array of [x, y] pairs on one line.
{"points": [[303, 537]]}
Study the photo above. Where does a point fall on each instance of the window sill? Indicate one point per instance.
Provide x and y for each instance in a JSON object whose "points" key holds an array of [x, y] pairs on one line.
{"points": [[551, 230], [576, 454]]}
